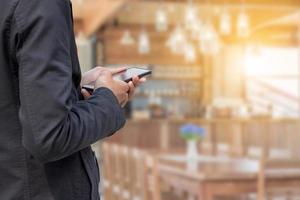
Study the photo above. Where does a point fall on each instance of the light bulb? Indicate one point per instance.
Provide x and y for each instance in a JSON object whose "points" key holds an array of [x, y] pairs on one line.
{"points": [[161, 21], [144, 43], [189, 53], [209, 40], [126, 38], [225, 22], [191, 16], [196, 29], [177, 40], [208, 33], [243, 25]]}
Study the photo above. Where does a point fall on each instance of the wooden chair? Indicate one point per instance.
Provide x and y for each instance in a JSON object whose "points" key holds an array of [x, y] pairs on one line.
{"points": [[135, 173], [279, 178], [154, 190], [124, 171], [116, 171], [106, 172], [151, 180], [227, 138]]}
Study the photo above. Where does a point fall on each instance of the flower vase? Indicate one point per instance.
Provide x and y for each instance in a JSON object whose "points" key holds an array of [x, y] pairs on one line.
{"points": [[192, 154], [192, 151]]}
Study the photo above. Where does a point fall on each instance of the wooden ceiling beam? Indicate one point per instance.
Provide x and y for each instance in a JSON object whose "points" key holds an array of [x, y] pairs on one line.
{"points": [[93, 14]]}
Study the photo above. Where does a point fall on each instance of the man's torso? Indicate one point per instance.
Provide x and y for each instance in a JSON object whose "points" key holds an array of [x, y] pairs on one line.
{"points": [[22, 176]]}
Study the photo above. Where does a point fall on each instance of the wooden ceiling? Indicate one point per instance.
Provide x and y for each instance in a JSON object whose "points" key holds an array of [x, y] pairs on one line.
{"points": [[272, 21], [90, 15], [265, 16]]}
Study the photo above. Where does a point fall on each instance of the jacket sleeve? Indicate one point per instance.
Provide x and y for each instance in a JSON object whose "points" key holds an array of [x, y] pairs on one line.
{"points": [[53, 125]]}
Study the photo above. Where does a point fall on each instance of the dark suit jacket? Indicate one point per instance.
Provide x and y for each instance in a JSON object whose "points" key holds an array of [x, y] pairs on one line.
{"points": [[45, 128]]}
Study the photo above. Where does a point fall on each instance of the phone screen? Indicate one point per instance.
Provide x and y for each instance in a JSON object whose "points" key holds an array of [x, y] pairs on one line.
{"points": [[123, 76], [130, 73]]}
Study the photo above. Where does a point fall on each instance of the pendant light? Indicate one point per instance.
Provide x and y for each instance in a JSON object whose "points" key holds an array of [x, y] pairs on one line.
{"points": [[189, 53], [127, 38], [161, 20], [225, 22], [177, 40], [144, 42], [209, 40], [143, 38], [243, 29], [196, 29], [191, 15]]}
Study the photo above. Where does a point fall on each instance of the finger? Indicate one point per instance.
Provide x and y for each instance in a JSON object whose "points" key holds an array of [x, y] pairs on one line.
{"points": [[131, 89], [85, 93], [140, 81], [125, 86], [117, 70], [135, 81], [143, 80]]}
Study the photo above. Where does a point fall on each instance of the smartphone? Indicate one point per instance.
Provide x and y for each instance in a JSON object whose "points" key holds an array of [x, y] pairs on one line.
{"points": [[125, 76], [131, 72]]}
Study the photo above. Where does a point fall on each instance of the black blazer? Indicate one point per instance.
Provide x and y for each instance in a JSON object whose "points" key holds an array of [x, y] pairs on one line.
{"points": [[45, 127]]}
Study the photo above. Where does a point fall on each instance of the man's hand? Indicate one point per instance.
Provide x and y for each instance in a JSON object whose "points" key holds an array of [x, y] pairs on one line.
{"points": [[92, 75], [123, 91], [119, 88], [136, 81]]}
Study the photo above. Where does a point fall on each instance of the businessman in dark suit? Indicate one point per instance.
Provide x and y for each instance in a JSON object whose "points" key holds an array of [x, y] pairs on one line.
{"points": [[46, 124]]}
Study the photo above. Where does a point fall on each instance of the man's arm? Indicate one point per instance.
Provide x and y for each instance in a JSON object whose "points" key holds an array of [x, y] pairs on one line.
{"points": [[54, 127]]}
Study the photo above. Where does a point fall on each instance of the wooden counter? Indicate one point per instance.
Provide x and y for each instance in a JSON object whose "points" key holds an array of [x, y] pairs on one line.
{"points": [[235, 137]]}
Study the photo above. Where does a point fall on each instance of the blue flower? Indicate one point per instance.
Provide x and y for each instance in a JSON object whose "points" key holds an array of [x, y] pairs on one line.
{"points": [[192, 131]]}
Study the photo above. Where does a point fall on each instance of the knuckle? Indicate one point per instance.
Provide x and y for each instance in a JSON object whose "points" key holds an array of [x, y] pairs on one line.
{"points": [[106, 72]]}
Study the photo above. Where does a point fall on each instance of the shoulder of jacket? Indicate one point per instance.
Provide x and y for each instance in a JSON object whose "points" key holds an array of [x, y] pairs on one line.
{"points": [[48, 10]]}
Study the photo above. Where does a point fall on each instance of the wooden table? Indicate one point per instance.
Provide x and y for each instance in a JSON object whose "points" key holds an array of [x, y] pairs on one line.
{"points": [[213, 176]]}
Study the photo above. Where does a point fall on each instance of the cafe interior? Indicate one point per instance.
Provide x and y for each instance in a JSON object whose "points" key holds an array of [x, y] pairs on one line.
{"points": [[219, 117]]}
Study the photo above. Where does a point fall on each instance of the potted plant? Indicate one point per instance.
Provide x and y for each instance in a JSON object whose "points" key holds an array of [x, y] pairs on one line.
{"points": [[192, 133]]}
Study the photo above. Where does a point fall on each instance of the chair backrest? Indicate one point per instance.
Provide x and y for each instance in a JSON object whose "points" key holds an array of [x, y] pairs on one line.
{"points": [[151, 180], [106, 172], [124, 169], [115, 169], [135, 173], [228, 138], [270, 139], [277, 169]]}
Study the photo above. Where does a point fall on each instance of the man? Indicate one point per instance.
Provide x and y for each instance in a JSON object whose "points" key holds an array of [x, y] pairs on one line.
{"points": [[46, 126]]}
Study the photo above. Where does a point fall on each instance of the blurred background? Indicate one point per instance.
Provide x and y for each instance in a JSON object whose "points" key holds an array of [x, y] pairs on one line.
{"points": [[219, 118]]}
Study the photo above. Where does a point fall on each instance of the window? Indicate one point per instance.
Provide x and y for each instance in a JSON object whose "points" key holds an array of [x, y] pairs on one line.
{"points": [[272, 80]]}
